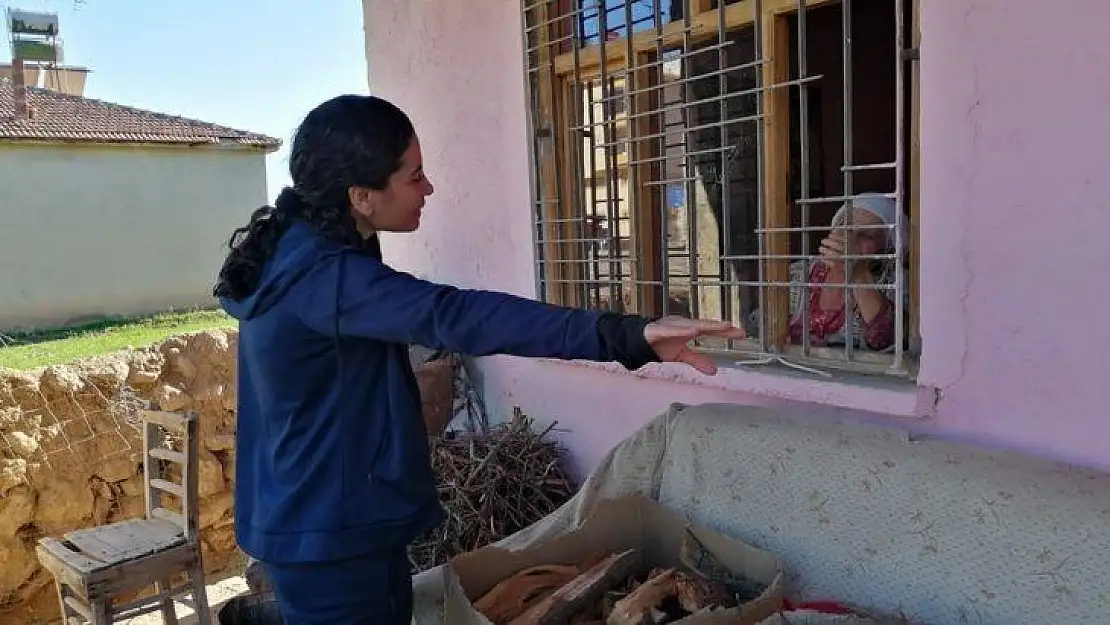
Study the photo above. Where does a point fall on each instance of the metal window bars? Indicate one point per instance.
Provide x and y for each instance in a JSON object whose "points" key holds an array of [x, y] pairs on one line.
{"points": [[680, 151]]}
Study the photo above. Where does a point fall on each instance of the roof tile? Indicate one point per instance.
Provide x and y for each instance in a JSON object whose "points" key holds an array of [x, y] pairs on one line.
{"points": [[70, 118]]}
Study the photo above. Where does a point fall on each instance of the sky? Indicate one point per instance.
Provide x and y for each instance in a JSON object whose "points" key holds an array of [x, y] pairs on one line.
{"points": [[257, 65]]}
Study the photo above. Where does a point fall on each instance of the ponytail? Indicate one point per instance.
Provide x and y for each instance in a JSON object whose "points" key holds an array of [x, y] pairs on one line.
{"points": [[252, 245]]}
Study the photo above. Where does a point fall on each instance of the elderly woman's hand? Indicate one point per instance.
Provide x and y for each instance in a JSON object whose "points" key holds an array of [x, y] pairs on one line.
{"points": [[834, 246], [670, 338]]}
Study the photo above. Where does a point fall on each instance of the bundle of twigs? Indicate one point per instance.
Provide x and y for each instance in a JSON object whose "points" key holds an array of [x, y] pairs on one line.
{"points": [[491, 486]]}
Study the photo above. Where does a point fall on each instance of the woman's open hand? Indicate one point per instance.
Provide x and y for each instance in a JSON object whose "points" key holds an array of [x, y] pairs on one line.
{"points": [[671, 335]]}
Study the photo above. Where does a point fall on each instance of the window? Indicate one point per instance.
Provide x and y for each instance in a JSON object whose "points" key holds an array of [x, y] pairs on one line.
{"points": [[698, 163]]}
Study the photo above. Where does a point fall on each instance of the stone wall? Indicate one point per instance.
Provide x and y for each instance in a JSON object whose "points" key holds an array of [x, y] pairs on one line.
{"points": [[70, 454]]}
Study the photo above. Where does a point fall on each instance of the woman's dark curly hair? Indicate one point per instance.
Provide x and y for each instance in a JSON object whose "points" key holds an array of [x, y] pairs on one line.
{"points": [[348, 141]]}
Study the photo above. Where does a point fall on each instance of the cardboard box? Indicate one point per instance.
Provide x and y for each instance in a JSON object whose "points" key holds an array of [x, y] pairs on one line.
{"points": [[615, 526]]}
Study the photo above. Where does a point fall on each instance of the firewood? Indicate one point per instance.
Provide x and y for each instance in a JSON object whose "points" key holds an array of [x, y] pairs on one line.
{"points": [[588, 587], [700, 561], [609, 601], [695, 594], [637, 607], [512, 596], [593, 560]]}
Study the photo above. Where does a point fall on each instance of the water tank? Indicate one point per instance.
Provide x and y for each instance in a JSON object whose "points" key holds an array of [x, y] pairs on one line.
{"points": [[22, 22]]}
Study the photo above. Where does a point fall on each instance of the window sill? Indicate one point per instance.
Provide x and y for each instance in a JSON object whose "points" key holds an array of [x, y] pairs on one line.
{"points": [[889, 396]]}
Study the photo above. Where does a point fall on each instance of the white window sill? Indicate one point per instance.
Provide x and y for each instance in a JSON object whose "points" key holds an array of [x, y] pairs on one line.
{"points": [[890, 396]]}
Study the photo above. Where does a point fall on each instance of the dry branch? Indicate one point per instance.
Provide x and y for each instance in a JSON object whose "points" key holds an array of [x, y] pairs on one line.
{"points": [[491, 485]]}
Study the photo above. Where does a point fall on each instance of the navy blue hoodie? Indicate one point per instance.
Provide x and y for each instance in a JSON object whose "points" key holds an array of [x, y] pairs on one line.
{"points": [[332, 454]]}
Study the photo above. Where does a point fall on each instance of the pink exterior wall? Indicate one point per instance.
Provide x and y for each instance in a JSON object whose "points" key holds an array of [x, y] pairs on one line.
{"points": [[1015, 216]]}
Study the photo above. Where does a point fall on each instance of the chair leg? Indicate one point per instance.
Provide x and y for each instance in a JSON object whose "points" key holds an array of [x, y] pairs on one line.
{"points": [[169, 614], [66, 612], [77, 610], [100, 610], [200, 594]]}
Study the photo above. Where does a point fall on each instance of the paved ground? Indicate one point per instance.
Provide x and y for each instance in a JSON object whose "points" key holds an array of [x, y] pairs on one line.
{"points": [[219, 592]]}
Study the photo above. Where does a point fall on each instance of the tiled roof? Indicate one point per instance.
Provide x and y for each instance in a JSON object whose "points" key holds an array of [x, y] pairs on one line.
{"points": [[69, 118]]}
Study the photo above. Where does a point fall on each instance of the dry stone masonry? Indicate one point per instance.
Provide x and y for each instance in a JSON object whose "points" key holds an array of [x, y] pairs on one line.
{"points": [[70, 457]]}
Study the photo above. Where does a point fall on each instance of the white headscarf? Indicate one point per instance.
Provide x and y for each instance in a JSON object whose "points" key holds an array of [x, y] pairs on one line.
{"points": [[882, 207], [886, 209]]}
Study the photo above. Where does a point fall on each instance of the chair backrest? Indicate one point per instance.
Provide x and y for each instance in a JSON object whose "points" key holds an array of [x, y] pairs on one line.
{"points": [[159, 460]]}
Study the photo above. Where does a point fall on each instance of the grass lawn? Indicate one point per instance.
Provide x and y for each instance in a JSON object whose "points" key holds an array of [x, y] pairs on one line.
{"points": [[54, 346]]}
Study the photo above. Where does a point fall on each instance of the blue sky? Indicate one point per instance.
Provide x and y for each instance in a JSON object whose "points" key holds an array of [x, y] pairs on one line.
{"points": [[258, 65]]}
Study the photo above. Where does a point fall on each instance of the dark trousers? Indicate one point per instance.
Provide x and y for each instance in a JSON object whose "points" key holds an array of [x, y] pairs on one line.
{"points": [[369, 590]]}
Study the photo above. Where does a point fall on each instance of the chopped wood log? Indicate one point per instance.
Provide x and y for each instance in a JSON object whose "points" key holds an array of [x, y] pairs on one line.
{"points": [[609, 601], [583, 590], [700, 561], [643, 606], [696, 594], [594, 559], [514, 595], [637, 607]]}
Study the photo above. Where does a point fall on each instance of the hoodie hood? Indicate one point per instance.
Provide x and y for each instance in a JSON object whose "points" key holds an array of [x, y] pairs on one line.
{"points": [[296, 253]]}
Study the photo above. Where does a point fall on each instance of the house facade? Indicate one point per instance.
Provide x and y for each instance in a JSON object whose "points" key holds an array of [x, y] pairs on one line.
{"points": [[689, 158], [110, 210]]}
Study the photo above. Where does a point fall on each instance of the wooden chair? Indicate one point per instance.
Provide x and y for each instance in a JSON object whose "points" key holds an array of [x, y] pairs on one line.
{"points": [[92, 567]]}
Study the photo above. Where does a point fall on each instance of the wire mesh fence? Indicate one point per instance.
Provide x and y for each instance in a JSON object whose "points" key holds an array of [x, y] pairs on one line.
{"points": [[75, 422]]}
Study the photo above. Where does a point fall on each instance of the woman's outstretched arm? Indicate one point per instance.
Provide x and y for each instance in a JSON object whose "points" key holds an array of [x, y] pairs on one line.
{"points": [[357, 295]]}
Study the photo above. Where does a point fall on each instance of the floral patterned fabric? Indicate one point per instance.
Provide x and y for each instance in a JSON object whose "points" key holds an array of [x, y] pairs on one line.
{"points": [[933, 531], [825, 324]]}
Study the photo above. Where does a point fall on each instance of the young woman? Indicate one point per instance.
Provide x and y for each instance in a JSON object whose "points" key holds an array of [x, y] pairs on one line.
{"points": [[333, 478]]}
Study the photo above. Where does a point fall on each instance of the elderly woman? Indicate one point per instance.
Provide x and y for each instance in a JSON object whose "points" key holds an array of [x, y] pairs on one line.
{"points": [[871, 233]]}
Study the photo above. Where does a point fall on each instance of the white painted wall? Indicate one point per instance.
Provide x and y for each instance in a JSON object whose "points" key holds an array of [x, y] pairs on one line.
{"points": [[99, 230]]}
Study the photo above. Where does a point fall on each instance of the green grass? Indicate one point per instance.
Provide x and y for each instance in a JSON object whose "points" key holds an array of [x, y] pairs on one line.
{"points": [[55, 346]]}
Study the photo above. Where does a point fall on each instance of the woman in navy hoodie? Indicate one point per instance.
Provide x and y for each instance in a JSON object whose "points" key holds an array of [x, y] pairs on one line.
{"points": [[333, 478]]}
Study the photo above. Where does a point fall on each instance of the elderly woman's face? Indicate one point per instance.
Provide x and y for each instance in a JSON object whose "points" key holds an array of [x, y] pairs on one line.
{"points": [[870, 240]]}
